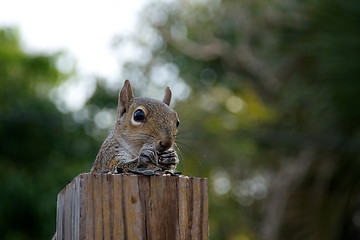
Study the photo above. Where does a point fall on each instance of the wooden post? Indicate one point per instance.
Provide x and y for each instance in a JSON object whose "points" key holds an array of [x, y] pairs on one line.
{"points": [[107, 206]]}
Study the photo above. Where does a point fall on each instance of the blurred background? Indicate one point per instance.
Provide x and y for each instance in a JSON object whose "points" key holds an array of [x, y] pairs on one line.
{"points": [[267, 93]]}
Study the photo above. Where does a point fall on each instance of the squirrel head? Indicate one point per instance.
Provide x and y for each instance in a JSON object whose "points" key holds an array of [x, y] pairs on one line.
{"points": [[145, 121]]}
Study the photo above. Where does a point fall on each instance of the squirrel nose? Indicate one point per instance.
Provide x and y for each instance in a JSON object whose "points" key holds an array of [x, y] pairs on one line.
{"points": [[164, 145]]}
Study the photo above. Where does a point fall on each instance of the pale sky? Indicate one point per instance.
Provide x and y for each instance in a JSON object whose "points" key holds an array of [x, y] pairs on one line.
{"points": [[82, 28], [85, 29]]}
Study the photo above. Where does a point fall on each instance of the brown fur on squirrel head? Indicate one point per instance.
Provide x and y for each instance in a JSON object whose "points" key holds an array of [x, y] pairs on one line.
{"points": [[145, 121]]}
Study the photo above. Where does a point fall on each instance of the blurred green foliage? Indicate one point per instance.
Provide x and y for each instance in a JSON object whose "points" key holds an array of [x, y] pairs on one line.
{"points": [[270, 116], [41, 148]]}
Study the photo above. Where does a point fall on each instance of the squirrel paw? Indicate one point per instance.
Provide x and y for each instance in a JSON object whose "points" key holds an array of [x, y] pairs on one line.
{"points": [[148, 155], [168, 159]]}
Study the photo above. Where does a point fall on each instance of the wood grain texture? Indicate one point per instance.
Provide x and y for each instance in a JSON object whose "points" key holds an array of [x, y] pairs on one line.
{"points": [[106, 206]]}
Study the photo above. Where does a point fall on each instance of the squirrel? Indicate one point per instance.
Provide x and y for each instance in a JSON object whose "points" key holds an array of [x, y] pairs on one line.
{"points": [[143, 136]]}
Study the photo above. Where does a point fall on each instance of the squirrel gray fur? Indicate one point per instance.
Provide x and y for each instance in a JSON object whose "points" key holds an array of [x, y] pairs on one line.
{"points": [[143, 135]]}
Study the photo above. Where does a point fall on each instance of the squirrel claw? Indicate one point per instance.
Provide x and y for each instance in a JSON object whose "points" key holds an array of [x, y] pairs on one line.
{"points": [[147, 156], [168, 159]]}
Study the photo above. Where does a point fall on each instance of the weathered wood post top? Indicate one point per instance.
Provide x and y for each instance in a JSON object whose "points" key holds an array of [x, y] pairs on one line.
{"points": [[116, 206]]}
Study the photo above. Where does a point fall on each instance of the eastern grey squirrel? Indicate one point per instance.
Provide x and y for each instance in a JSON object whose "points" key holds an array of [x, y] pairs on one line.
{"points": [[143, 136]]}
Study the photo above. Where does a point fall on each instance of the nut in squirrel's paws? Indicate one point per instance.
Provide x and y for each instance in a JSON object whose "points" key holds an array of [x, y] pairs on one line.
{"points": [[168, 159], [148, 155]]}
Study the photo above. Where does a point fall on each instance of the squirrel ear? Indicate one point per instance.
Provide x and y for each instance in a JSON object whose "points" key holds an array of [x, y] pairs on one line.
{"points": [[167, 97], [125, 97]]}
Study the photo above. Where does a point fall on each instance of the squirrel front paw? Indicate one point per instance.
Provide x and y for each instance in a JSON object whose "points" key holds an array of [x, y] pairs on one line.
{"points": [[148, 155], [168, 159]]}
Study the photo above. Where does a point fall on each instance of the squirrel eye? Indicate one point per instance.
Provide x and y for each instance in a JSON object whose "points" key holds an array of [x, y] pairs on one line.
{"points": [[139, 116], [177, 123]]}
